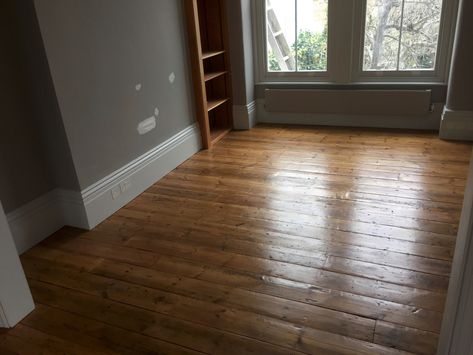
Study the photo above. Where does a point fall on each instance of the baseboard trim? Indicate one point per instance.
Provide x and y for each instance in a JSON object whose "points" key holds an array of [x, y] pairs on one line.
{"points": [[430, 121], [3, 319], [244, 116], [138, 175], [457, 125], [35, 221]]}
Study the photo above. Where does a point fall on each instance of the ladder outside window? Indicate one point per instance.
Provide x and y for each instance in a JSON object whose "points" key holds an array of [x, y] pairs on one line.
{"points": [[278, 42]]}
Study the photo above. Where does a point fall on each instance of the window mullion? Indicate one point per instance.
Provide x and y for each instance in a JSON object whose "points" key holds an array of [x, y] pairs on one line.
{"points": [[341, 24]]}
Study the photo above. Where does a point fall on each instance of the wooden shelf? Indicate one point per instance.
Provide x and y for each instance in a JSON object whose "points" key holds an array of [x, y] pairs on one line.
{"points": [[210, 54], [210, 76], [212, 104], [217, 134], [209, 47]]}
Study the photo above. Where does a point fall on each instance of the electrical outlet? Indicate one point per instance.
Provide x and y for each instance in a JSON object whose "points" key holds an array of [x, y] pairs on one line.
{"points": [[116, 192]]}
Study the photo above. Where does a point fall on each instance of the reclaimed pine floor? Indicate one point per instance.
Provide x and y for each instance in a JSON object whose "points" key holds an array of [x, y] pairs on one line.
{"points": [[280, 240]]}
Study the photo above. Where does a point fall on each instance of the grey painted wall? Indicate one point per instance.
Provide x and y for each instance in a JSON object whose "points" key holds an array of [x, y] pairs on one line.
{"points": [[241, 47], [237, 52], [98, 51], [24, 172], [460, 95], [247, 25], [44, 102]]}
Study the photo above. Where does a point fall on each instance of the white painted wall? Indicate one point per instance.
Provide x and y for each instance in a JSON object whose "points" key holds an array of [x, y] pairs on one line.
{"points": [[16, 301]]}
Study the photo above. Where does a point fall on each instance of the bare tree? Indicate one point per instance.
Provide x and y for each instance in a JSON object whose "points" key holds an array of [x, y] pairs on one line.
{"points": [[401, 34], [383, 15]]}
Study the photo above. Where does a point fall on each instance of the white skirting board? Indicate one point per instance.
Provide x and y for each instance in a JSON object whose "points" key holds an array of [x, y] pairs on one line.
{"points": [[244, 116], [139, 175], [36, 220], [32, 223], [3, 318], [457, 125], [429, 121]]}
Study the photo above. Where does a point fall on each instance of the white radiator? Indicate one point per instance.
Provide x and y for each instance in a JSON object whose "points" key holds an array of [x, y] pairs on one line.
{"points": [[358, 102]]}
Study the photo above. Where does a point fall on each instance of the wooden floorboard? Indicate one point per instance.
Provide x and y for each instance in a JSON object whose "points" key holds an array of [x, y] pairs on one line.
{"points": [[279, 240]]}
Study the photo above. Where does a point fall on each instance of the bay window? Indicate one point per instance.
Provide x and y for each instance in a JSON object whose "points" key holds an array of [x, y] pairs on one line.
{"points": [[354, 40]]}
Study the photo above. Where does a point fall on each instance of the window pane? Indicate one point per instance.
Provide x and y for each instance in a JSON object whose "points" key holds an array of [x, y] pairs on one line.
{"points": [[401, 34], [312, 20], [420, 34], [281, 29], [382, 34]]}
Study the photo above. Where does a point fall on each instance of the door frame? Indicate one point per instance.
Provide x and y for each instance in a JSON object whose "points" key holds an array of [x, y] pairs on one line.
{"points": [[16, 301], [455, 337]]}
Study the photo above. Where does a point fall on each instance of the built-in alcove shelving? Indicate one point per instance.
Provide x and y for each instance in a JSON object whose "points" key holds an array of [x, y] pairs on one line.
{"points": [[208, 38]]}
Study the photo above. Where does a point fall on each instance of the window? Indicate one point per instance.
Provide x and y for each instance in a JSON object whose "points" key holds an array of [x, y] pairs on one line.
{"points": [[296, 35], [401, 34], [373, 40]]}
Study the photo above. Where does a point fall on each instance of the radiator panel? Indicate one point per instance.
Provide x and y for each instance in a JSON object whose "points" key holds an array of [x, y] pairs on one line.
{"points": [[364, 102]]}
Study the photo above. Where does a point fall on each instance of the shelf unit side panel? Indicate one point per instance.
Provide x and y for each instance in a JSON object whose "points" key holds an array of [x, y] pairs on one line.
{"points": [[195, 47]]}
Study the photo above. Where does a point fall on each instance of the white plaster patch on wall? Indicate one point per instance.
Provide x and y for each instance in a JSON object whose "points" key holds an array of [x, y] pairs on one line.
{"points": [[147, 125], [138, 87], [172, 78]]}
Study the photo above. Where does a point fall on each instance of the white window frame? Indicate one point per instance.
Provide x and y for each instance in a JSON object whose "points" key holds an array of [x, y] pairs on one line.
{"points": [[346, 21]]}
